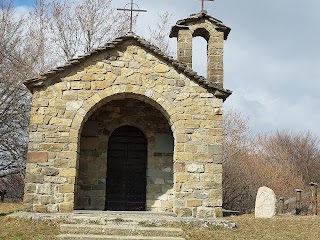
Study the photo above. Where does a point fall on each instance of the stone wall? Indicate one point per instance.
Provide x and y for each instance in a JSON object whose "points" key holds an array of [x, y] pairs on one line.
{"points": [[61, 107], [215, 42], [91, 181]]}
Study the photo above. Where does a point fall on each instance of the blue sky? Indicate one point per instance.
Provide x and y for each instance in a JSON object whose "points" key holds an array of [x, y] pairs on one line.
{"points": [[23, 2], [271, 62]]}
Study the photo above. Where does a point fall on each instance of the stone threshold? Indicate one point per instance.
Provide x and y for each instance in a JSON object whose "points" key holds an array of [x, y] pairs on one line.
{"points": [[124, 218], [125, 213]]}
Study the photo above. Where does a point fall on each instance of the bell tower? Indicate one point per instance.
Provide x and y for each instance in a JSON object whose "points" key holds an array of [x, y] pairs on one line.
{"points": [[213, 31]]}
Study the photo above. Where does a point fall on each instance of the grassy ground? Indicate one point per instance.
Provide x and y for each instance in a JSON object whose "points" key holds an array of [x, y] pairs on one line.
{"points": [[17, 229], [249, 228]]}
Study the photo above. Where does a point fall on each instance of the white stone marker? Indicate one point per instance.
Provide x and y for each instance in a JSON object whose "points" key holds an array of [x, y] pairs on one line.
{"points": [[265, 203]]}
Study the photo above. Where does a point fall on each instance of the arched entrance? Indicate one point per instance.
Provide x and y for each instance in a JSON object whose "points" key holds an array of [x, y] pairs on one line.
{"points": [[129, 128], [126, 170]]}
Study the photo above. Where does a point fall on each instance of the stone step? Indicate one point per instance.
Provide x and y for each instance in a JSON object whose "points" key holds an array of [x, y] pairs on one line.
{"points": [[114, 237], [125, 213], [105, 218], [126, 230]]}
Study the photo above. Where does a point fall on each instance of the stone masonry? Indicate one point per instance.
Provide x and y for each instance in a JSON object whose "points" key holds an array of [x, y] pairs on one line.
{"points": [[93, 160], [126, 82], [213, 31]]}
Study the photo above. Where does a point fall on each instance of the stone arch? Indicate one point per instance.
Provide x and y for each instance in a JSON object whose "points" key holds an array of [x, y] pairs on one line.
{"points": [[142, 126], [117, 92], [147, 127], [201, 32]]}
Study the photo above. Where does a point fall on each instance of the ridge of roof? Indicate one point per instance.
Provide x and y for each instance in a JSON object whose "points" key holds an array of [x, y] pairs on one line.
{"points": [[193, 17], [202, 81]]}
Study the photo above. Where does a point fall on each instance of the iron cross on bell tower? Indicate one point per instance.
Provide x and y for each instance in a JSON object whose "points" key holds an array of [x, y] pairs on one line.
{"points": [[202, 10], [131, 10]]}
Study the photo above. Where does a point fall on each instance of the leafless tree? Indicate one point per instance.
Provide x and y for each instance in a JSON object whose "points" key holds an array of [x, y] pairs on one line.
{"points": [[78, 28], [281, 160], [62, 30], [299, 150], [14, 98], [238, 187], [95, 30], [159, 33]]}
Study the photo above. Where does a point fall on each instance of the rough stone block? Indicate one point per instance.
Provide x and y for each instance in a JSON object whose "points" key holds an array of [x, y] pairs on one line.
{"points": [[205, 212], [67, 172], [214, 168], [46, 189], [182, 177], [193, 202], [66, 188], [77, 85], [117, 64], [30, 198], [33, 178], [50, 171], [216, 149], [61, 163], [30, 188], [200, 194], [179, 167], [161, 68], [69, 197], [184, 156], [88, 77], [52, 208], [100, 85], [217, 159], [183, 212], [168, 205], [73, 105], [51, 146], [55, 179], [195, 168], [45, 199], [218, 212], [66, 207], [40, 208], [37, 157]]}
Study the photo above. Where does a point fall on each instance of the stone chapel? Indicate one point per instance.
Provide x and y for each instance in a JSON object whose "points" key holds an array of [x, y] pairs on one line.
{"points": [[127, 128]]}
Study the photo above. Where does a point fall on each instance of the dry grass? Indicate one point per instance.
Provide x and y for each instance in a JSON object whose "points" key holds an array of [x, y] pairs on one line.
{"points": [[248, 228], [18, 229]]}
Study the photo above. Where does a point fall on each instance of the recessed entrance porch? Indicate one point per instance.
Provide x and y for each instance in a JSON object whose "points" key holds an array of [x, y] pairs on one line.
{"points": [[126, 159]]}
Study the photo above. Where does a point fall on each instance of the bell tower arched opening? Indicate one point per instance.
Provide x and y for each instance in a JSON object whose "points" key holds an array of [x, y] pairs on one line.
{"points": [[200, 56]]}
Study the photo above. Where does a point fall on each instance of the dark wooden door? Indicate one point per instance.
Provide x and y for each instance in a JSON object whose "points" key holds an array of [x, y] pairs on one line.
{"points": [[126, 174]]}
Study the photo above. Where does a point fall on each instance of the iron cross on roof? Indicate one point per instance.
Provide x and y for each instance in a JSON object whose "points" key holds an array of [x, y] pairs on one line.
{"points": [[202, 10], [131, 10]]}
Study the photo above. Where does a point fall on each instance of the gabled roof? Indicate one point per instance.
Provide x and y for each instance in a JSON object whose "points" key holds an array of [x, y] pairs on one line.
{"points": [[195, 18], [179, 66]]}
